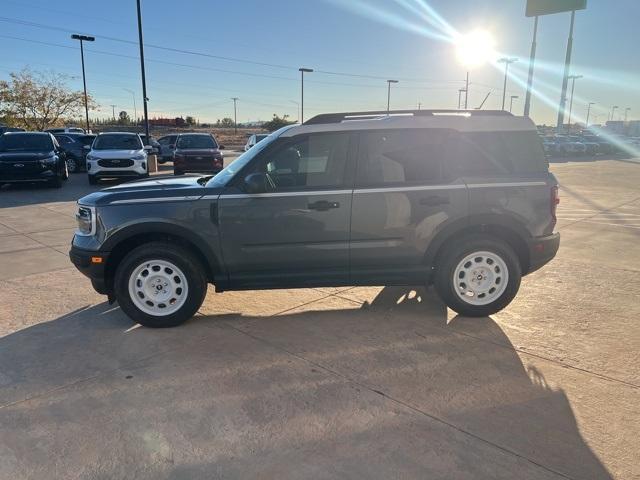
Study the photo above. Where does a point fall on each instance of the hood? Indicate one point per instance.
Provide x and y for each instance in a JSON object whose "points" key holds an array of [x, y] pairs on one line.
{"points": [[24, 156], [152, 190], [107, 154]]}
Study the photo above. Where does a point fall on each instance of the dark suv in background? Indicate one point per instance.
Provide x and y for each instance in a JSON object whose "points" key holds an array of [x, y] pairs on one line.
{"points": [[197, 153], [75, 146], [462, 201], [27, 157]]}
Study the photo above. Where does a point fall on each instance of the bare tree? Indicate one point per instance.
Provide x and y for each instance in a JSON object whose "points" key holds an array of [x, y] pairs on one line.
{"points": [[36, 100]]}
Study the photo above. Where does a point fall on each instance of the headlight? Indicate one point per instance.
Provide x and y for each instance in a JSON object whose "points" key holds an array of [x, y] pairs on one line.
{"points": [[91, 157], [140, 156], [48, 161], [86, 218]]}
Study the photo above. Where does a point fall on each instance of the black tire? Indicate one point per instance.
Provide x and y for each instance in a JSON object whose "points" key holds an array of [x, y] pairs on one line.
{"points": [[455, 253], [72, 165], [181, 258], [92, 179]]}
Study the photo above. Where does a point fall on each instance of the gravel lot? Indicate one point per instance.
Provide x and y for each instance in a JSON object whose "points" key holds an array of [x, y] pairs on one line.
{"points": [[328, 383]]}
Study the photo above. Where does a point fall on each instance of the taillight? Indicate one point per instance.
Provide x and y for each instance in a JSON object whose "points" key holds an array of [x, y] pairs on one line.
{"points": [[553, 204]]}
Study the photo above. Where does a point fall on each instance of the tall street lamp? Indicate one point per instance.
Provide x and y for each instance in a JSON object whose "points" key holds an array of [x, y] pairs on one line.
{"points": [[511, 102], [235, 115], [389, 82], [507, 62], [84, 38], [613, 109], [144, 81], [302, 72], [573, 79], [589, 112]]}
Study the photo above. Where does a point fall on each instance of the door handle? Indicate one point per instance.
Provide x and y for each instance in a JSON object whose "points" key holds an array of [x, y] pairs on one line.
{"points": [[434, 200], [323, 205]]}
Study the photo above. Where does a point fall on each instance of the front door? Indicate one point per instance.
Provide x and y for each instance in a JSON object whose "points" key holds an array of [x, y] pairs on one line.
{"points": [[297, 233]]}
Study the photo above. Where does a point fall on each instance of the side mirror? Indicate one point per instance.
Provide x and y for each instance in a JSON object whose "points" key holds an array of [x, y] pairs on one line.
{"points": [[256, 183], [148, 148], [86, 147], [220, 147]]}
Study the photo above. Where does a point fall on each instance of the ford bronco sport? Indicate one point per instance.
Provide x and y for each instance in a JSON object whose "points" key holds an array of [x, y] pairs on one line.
{"points": [[461, 200]]}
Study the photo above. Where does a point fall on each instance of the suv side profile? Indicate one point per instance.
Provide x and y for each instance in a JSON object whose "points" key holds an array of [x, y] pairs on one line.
{"points": [[117, 155], [464, 201]]}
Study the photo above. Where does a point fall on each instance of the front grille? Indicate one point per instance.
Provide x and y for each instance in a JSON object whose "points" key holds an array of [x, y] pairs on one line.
{"points": [[115, 163]]}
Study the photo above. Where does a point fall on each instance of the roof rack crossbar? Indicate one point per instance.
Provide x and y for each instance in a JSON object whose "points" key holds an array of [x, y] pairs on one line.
{"points": [[339, 117]]}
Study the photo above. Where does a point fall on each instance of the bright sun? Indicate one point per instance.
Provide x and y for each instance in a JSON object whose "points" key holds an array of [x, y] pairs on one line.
{"points": [[475, 48]]}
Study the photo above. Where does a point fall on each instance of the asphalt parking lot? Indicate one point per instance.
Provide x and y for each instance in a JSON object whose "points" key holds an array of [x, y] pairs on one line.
{"points": [[373, 382]]}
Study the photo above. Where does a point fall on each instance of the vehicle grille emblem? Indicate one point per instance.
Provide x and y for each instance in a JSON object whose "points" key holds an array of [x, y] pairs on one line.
{"points": [[18, 164], [115, 161]]}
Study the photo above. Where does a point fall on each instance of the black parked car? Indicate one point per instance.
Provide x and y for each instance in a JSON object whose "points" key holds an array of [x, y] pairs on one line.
{"points": [[197, 153], [167, 146], [31, 157], [155, 146], [74, 145]]}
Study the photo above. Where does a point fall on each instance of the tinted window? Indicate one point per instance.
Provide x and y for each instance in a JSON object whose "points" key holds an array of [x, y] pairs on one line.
{"points": [[87, 140], [399, 157], [64, 140], [496, 153], [314, 161], [117, 142], [196, 141], [168, 140], [25, 143]]}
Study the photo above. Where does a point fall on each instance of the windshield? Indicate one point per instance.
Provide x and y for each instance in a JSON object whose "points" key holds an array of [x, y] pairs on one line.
{"points": [[25, 143], [87, 140], [117, 142], [186, 142], [227, 173]]}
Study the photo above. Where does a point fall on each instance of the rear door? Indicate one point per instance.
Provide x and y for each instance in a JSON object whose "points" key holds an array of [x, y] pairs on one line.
{"points": [[297, 233], [404, 196]]}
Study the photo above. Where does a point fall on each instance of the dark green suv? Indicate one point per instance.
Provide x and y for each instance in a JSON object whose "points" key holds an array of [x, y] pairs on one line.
{"points": [[462, 200]]}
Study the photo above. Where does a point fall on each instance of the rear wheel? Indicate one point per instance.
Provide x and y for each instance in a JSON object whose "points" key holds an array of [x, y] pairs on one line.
{"points": [[478, 276], [160, 285]]}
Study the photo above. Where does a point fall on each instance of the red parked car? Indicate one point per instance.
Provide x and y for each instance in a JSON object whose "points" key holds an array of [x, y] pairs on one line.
{"points": [[197, 153]]}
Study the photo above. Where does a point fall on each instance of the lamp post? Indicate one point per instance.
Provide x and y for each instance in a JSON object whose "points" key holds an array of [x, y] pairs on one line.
{"points": [[135, 110], [389, 82], [466, 90], [302, 72], [507, 62], [235, 115], [626, 111], [613, 109], [511, 102], [589, 112], [460, 90], [84, 38], [144, 81], [573, 79]]}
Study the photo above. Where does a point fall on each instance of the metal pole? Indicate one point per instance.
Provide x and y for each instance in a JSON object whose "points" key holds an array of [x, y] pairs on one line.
{"points": [[573, 86], [532, 60], [588, 113], [565, 77], [113, 111], [84, 83], [459, 95], [302, 72], [466, 91], [144, 81], [388, 95], [235, 117], [511, 103]]}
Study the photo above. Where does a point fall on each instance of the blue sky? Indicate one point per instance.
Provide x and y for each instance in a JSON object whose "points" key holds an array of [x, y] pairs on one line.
{"points": [[362, 42]]}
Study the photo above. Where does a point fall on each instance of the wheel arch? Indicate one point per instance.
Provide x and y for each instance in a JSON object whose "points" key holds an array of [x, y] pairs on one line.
{"points": [[502, 227]]}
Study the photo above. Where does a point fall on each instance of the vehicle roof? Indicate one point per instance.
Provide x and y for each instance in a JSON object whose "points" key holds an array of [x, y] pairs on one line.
{"points": [[118, 133], [28, 133], [195, 133], [460, 120]]}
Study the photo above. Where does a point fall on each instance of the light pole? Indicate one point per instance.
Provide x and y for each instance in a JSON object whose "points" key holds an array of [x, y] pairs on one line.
{"points": [[565, 75], [460, 90], [144, 81], [511, 102], [613, 109], [235, 115], [466, 90], [113, 112], [589, 112], [419, 106], [302, 72], [135, 110], [84, 38], [626, 111], [532, 61], [573, 79], [389, 82], [507, 62]]}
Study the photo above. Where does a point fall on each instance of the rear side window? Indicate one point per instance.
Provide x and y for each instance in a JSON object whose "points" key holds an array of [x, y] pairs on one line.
{"points": [[496, 153], [401, 157]]}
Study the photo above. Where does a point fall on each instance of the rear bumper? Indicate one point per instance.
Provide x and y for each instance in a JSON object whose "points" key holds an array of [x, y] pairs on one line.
{"points": [[96, 272], [542, 250]]}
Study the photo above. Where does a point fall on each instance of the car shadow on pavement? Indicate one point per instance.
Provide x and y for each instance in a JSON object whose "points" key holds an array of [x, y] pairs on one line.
{"points": [[383, 389]]}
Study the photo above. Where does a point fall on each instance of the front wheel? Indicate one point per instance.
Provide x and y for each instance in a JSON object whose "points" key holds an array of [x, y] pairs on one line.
{"points": [[160, 285], [478, 276], [72, 165]]}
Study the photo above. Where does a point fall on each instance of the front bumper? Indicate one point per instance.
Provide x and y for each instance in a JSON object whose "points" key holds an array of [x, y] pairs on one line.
{"points": [[85, 262], [542, 250], [138, 169]]}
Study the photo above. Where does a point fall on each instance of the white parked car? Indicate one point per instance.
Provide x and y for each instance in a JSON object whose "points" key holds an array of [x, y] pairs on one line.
{"points": [[116, 155], [253, 139]]}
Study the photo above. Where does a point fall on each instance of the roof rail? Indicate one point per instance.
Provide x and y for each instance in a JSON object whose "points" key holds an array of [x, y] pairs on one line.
{"points": [[346, 116]]}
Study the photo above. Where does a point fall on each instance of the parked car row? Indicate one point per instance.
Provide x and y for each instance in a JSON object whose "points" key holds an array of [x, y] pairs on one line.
{"points": [[577, 145]]}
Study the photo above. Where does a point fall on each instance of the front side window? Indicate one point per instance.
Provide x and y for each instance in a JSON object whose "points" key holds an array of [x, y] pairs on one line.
{"points": [[117, 142], [400, 157], [314, 161]]}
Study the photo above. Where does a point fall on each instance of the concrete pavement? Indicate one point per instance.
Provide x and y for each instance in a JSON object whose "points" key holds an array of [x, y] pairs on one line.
{"points": [[328, 383]]}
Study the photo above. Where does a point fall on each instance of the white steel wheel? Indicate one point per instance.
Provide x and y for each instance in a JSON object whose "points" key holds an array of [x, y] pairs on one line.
{"points": [[158, 287], [480, 278]]}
